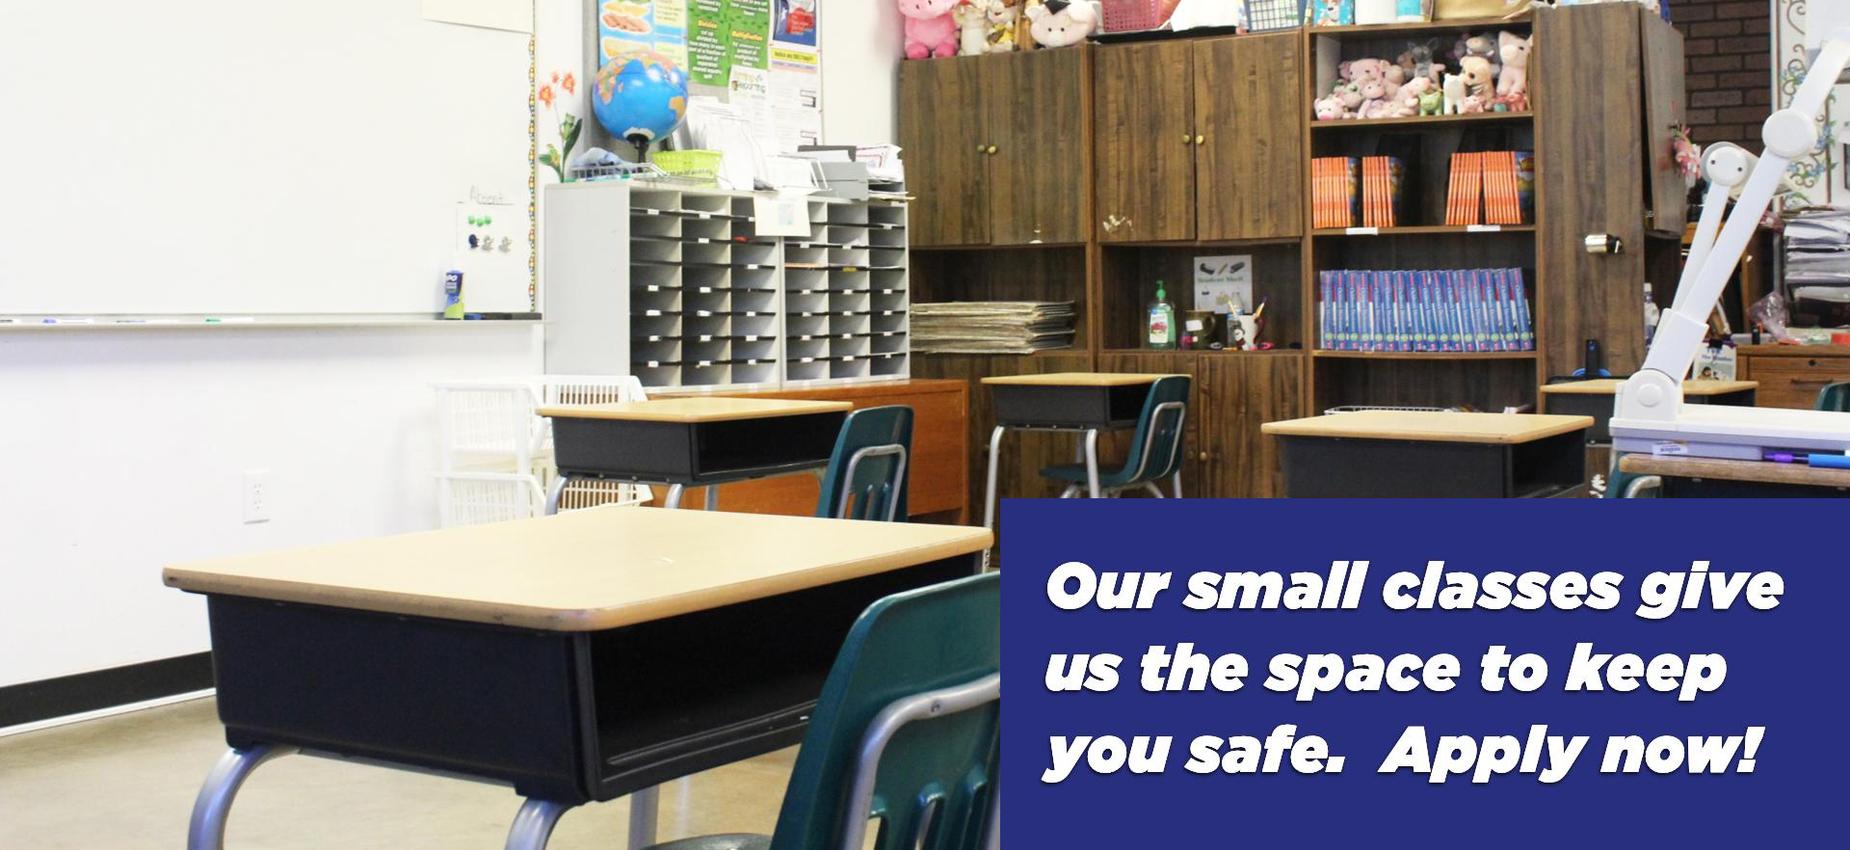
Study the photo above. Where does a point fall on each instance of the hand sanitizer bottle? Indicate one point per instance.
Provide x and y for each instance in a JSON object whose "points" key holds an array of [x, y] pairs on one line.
{"points": [[1161, 323]]}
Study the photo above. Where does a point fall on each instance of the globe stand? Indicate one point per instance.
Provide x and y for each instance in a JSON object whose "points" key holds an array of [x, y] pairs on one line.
{"points": [[642, 146]]}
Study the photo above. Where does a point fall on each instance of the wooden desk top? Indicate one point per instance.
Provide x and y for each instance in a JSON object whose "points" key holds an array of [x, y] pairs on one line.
{"points": [[1610, 386], [1503, 428], [695, 409], [582, 570], [1077, 379], [1759, 472]]}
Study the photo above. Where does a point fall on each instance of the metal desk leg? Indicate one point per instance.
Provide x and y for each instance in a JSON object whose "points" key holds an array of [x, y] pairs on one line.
{"points": [[212, 808], [1092, 463], [557, 493], [645, 806], [712, 497], [533, 824], [989, 494], [673, 499]]}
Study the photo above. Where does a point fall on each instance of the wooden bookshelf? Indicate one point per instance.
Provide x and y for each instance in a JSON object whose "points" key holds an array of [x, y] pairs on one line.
{"points": [[1420, 121]]}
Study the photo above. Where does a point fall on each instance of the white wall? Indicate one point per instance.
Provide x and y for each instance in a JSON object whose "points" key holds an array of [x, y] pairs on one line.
{"points": [[124, 451], [862, 42]]}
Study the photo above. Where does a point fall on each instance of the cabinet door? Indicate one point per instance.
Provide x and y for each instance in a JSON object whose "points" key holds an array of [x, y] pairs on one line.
{"points": [[1145, 141], [1039, 119], [1664, 87], [1588, 158], [1250, 161], [1241, 393], [942, 129]]}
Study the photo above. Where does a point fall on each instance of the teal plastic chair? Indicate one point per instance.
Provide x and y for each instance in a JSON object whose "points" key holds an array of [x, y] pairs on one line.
{"points": [[866, 478], [904, 740], [1156, 447], [1625, 485], [1835, 397]]}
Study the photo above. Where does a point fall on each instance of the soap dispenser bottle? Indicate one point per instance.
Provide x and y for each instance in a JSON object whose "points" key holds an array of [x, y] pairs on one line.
{"points": [[1160, 322]]}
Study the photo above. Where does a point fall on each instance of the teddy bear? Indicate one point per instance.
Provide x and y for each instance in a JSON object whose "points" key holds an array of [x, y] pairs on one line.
{"points": [[1480, 80], [972, 20], [1478, 45], [1515, 52], [930, 29], [1004, 16], [1059, 23]]}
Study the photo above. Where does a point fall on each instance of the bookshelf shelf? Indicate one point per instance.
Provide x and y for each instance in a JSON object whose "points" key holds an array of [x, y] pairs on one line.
{"points": [[1423, 121], [1425, 355], [1415, 28], [1421, 230]]}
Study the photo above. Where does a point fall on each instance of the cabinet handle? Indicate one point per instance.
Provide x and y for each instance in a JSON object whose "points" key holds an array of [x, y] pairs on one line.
{"points": [[1811, 382], [982, 148], [1204, 457], [991, 151], [1200, 139], [1187, 139]]}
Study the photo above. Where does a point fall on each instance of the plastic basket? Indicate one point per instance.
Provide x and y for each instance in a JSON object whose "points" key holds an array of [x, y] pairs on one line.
{"points": [[474, 498], [690, 164], [1269, 15], [1360, 408], [1132, 15]]}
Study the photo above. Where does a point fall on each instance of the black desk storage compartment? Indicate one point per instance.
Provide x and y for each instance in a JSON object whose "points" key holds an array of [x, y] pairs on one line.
{"points": [[689, 452], [1358, 468], [1049, 406]]}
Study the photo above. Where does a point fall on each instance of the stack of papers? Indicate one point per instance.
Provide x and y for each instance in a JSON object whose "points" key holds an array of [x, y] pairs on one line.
{"points": [[992, 327], [1818, 248]]}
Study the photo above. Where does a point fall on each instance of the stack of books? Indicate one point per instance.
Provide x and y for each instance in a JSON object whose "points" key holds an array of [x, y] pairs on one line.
{"points": [[991, 327], [1382, 177], [1335, 191], [1474, 310], [1491, 187]]}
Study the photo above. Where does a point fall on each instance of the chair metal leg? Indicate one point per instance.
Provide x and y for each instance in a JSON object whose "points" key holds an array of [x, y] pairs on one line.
{"points": [[533, 824], [989, 494], [1070, 491], [645, 807], [673, 499], [712, 497], [1154, 490], [206, 830], [556, 494], [1092, 463], [1178, 483]]}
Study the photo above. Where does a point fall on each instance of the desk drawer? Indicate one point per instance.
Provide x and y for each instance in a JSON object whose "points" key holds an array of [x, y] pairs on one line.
{"points": [[1795, 381]]}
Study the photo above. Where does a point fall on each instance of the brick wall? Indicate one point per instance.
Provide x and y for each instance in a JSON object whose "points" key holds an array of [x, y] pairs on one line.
{"points": [[1730, 57]]}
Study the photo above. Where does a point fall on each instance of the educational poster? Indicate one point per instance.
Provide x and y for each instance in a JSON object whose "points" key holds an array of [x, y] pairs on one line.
{"points": [[750, 33], [709, 41], [796, 97], [1819, 178], [626, 29], [1222, 282], [796, 22]]}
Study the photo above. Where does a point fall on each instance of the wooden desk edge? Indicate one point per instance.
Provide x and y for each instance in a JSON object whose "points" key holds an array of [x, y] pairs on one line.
{"points": [[1542, 430], [1079, 379], [1758, 472], [611, 412], [570, 620], [1609, 386]]}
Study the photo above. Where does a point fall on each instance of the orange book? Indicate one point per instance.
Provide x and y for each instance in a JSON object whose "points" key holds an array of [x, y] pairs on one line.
{"points": [[1472, 194]]}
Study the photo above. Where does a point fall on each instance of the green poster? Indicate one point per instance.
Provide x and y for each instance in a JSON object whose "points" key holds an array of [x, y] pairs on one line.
{"points": [[750, 32], [709, 41]]}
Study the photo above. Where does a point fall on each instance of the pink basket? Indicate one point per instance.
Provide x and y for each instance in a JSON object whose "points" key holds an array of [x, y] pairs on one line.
{"points": [[1132, 15]]}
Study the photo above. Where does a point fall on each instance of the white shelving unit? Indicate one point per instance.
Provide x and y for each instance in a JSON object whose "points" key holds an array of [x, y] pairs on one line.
{"points": [[675, 286]]}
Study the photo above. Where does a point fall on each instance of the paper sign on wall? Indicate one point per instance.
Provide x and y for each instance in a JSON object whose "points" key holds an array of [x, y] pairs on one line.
{"points": [[1224, 282]]}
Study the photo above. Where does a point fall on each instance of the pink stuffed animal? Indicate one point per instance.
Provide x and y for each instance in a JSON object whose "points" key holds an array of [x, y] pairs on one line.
{"points": [[930, 28], [1515, 77]]}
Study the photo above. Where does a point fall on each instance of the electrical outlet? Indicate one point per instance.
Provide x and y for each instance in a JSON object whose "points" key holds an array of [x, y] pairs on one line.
{"points": [[256, 496]]}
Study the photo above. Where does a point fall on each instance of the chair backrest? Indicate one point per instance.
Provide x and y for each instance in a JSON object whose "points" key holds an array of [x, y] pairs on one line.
{"points": [[866, 478], [1156, 447], [936, 777], [1835, 397]]}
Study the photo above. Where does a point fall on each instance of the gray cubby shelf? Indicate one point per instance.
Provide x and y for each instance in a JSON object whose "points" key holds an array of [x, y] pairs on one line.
{"points": [[675, 285]]}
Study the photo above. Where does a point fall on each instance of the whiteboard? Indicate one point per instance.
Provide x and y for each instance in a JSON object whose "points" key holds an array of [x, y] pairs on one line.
{"points": [[217, 156]]}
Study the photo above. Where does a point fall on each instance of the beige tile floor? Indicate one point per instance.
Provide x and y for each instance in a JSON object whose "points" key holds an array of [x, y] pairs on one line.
{"points": [[127, 783]]}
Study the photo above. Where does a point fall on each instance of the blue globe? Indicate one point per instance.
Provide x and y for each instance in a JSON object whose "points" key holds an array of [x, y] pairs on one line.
{"points": [[640, 98]]}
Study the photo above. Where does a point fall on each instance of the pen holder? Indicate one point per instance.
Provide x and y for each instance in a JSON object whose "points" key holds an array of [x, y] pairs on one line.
{"points": [[1243, 331]]}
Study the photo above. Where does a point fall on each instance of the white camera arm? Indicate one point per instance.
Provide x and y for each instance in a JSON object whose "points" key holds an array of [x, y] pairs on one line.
{"points": [[1656, 391]]}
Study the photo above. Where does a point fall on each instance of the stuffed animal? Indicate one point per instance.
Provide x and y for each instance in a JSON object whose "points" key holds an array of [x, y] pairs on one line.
{"points": [[1059, 23], [1480, 80], [1479, 45], [1418, 62], [1330, 108], [1515, 52], [1432, 102], [1004, 16], [1454, 92], [972, 27], [1389, 75], [1375, 100], [930, 30]]}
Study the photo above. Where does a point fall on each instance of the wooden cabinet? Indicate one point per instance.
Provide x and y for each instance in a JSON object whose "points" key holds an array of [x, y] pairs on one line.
{"points": [[1225, 456], [992, 144], [1200, 140], [1791, 375]]}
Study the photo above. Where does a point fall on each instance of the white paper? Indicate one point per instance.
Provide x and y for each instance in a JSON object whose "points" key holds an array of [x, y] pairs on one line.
{"points": [[749, 93], [796, 97], [1224, 280], [782, 214]]}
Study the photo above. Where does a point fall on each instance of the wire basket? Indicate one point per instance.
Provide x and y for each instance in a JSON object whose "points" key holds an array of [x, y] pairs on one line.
{"points": [[1360, 408], [1269, 15], [1132, 15], [697, 165]]}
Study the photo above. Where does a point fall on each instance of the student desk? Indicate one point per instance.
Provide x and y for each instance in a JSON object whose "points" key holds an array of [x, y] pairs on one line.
{"points": [[1595, 398], [1085, 402], [1708, 478], [1408, 454], [694, 441], [576, 657]]}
